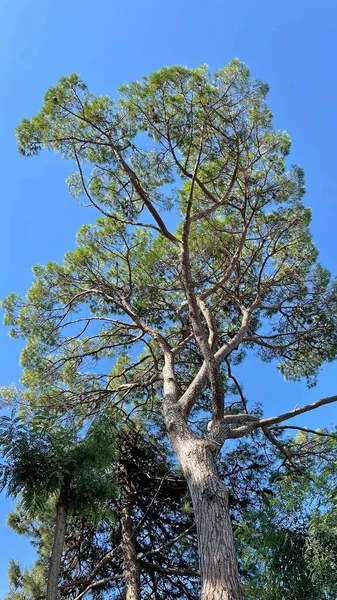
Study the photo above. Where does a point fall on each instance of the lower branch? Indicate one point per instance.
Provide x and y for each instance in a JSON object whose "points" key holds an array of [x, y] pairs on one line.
{"points": [[277, 443], [241, 431], [179, 571], [97, 584]]}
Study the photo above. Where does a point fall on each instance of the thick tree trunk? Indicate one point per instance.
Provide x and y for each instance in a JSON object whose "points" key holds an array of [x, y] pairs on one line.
{"points": [[56, 555], [131, 565], [217, 556]]}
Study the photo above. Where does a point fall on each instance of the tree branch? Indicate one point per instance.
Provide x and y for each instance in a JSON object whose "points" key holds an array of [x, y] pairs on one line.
{"points": [[180, 572], [169, 543], [195, 389], [241, 431]]}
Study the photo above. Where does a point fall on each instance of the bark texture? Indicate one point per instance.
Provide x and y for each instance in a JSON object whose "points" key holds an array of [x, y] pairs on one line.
{"points": [[58, 545], [217, 555], [131, 565]]}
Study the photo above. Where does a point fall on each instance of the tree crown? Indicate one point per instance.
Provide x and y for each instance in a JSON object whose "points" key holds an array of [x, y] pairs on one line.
{"points": [[173, 298]]}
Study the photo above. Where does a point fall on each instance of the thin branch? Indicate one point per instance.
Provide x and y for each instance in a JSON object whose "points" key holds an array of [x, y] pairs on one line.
{"points": [[306, 430], [97, 584], [169, 543], [102, 563], [180, 572], [273, 440]]}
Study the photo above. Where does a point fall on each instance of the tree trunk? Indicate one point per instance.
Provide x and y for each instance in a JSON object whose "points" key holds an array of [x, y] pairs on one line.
{"points": [[131, 566], [58, 544], [217, 555]]}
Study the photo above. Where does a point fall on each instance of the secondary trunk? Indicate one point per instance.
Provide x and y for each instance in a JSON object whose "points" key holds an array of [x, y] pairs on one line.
{"points": [[217, 556], [131, 566], [56, 555]]}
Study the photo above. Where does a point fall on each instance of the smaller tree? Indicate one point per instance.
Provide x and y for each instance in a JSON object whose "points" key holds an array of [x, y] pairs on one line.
{"points": [[43, 460], [288, 543]]}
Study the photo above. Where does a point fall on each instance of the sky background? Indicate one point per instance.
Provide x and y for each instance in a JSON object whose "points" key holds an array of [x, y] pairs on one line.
{"points": [[290, 44]]}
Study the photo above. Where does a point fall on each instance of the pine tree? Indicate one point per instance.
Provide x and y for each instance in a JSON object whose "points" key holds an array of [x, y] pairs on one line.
{"points": [[158, 307]]}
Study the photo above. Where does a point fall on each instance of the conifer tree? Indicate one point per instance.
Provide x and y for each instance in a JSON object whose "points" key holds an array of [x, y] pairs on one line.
{"points": [[202, 253]]}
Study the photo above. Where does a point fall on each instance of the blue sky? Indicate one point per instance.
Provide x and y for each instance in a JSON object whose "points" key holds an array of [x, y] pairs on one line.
{"points": [[290, 44]]}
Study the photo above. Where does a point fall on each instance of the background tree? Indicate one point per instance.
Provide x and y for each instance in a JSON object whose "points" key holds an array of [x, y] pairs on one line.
{"points": [[231, 267], [289, 541], [40, 462]]}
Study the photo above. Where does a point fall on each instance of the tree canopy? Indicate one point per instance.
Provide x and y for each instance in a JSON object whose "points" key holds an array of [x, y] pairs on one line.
{"points": [[203, 147]]}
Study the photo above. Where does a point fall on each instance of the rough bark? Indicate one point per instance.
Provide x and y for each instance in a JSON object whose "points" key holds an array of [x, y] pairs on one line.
{"points": [[131, 565], [58, 545], [217, 556]]}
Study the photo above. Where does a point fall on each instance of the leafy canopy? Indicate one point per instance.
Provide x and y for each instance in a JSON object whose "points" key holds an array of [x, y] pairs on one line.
{"points": [[237, 234], [40, 459]]}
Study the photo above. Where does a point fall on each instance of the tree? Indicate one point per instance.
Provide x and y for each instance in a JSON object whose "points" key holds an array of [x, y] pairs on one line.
{"points": [[288, 543], [41, 463], [204, 253]]}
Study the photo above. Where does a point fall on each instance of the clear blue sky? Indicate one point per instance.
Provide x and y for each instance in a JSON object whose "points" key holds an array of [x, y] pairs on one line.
{"points": [[290, 44]]}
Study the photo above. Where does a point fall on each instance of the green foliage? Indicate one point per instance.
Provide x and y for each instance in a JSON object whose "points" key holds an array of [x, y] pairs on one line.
{"points": [[39, 458], [26, 584], [288, 545]]}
